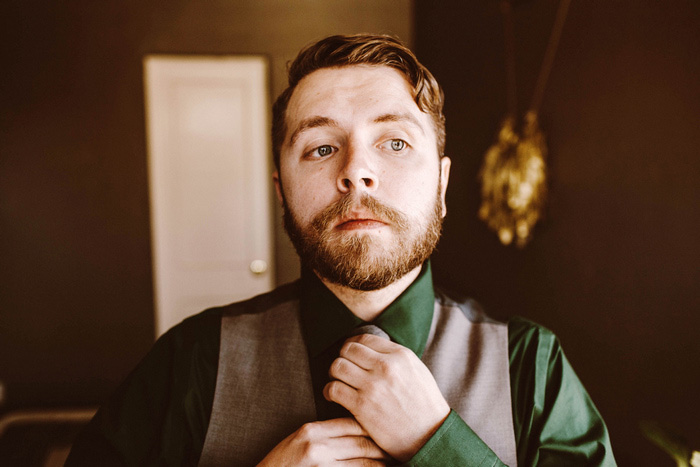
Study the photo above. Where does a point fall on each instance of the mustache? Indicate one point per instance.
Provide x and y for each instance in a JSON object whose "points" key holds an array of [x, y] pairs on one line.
{"points": [[344, 205]]}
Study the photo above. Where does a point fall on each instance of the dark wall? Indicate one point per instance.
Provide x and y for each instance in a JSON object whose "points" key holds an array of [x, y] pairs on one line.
{"points": [[614, 267], [76, 299]]}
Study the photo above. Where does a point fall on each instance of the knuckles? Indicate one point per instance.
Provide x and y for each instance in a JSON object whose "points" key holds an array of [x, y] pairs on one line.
{"points": [[338, 368], [332, 391], [386, 367], [348, 348], [365, 445], [309, 445], [405, 353], [312, 451], [308, 432], [365, 339]]}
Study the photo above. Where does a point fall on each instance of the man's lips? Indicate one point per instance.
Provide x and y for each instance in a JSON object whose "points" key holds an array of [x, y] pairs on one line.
{"points": [[359, 223]]}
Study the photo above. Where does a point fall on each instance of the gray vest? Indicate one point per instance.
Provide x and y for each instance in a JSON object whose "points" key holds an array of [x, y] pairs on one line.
{"points": [[264, 391]]}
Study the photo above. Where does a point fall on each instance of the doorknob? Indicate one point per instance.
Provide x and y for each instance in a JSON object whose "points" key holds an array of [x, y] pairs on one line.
{"points": [[258, 266]]}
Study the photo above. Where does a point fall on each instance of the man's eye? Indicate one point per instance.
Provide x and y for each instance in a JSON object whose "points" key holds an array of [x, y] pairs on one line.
{"points": [[398, 144], [325, 150]]}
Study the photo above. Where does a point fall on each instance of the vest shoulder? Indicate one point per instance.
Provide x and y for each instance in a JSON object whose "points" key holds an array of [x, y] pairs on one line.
{"points": [[209, 320], [520, 330], [470, 307]]}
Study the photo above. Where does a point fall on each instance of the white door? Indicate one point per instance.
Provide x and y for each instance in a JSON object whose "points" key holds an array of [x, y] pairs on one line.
{"points": [[208, 145]]}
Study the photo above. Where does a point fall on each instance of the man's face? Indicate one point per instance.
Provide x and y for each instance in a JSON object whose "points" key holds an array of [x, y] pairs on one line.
{"points": [[361, 182]]}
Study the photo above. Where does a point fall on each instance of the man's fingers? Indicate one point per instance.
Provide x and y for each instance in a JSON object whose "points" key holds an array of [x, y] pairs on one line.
{"points": [[359, 353], [347, 372], [377, 343], [340, 393], [356, 447], [363, 463], [341, 441], [334, 428]]}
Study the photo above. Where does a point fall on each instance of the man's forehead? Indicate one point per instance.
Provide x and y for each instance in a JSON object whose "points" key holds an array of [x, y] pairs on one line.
{"points": [[336, 81], [382, 91]]}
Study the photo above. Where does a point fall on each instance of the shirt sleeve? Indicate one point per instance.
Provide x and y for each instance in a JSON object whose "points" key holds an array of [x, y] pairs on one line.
{"points": [[159, 414], [555, 420], [454, 443]]}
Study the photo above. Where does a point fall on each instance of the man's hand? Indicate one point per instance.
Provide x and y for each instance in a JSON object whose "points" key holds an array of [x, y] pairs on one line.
{"points": [[389, 391], [341, 441]]}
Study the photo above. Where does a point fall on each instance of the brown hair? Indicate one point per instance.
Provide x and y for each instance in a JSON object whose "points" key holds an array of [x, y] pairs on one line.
{"points": [[361, 49]]}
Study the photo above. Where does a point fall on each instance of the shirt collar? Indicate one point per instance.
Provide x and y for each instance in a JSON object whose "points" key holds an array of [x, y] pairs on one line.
{"points": [[325, 319]]}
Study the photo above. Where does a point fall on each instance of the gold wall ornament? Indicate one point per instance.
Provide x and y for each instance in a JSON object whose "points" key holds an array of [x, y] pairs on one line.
{"points": [[514, 181], [671, 442], [514, 172]]}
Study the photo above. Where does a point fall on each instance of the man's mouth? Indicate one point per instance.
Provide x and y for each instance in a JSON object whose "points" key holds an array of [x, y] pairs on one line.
{"points": [[359, 222]]}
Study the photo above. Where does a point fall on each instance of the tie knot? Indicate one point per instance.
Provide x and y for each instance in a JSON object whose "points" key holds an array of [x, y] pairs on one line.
{"points": [[369, 329]]}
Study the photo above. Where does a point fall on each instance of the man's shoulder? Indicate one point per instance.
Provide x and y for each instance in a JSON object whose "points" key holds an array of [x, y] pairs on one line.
{"points": [[534, 350], [468, 306], [521, 331]]}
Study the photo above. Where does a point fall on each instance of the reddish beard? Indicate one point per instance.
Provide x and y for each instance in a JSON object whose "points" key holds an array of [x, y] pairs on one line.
{"points": [[360, 261]]}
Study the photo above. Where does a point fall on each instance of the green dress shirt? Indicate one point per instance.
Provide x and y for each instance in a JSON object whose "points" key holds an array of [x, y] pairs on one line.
{"points": [[159, 415]]}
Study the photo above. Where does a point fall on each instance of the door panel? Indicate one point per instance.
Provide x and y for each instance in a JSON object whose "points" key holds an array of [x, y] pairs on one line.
{"points": [[209, 182]]}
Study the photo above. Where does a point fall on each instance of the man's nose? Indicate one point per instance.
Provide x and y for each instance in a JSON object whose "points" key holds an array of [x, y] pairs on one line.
{"points": [[357, 172]]}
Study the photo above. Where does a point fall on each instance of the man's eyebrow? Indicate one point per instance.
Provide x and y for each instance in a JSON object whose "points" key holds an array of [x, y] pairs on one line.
{"points": [[401, 117], [312, 122]]}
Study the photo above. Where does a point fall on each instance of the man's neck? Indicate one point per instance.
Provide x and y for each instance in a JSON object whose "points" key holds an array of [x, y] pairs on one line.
{"points": [[367, 305]]}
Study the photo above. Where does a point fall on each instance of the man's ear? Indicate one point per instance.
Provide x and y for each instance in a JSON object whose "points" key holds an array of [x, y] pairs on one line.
{"points": [[445, 164], [278, 186]]}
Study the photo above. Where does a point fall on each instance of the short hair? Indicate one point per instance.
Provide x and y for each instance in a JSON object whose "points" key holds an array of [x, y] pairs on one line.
{"points": [[361, 49]]}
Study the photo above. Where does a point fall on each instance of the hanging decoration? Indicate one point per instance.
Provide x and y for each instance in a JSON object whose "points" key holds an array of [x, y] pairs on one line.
{"points": [[514, 172]]}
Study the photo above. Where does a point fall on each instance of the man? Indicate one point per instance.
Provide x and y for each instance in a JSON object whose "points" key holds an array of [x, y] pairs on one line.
{"points": [[360, 362]]}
